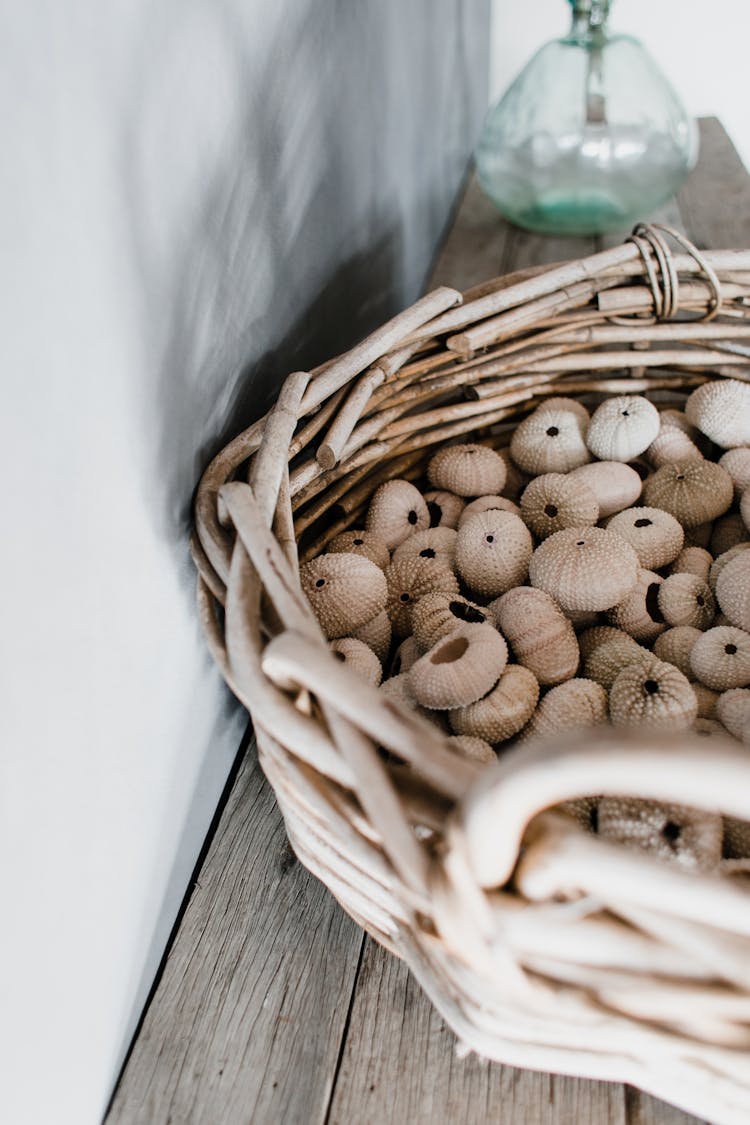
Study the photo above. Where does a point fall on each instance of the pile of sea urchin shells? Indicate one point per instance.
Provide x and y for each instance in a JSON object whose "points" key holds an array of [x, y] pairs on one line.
{"points": [[598, 569]]}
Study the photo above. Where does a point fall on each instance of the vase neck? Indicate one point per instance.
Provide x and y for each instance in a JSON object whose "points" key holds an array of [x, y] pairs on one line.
{"points": [[589, 20]]}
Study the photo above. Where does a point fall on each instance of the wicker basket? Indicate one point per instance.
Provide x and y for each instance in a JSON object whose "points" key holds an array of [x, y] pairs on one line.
{"points": [[542, 945]]}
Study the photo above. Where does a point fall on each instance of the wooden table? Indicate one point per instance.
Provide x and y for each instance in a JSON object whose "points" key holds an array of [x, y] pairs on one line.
{"points": [[272, 1006]]}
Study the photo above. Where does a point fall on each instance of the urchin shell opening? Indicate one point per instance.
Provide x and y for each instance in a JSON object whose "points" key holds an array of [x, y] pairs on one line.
{"points": [[436, 512], [580, 543], [730, 650], [357, 542], [427, 553], [550, 510], [643, 523], [700, 600], [320, 582], [651, 687], [489, 538], [412, 517], [553, 431], [652, 603], [671, 831], [404, 597], [467, 613], [451, 651], [340, 656]]}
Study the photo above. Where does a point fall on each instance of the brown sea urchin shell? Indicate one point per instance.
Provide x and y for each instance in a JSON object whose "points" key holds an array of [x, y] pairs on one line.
{"points": [[721, 410], [575, 705], [676, 645], [604, 664], [376, 633], [572, 405], [671, 444], [693, 560], [684, 599], [729, 530], [737, 464], [489, 504], [345, 591], [398, 689], [555, 501], [733, 710], [467, 470], [733, 590], [410, 579], [584, 568], [436, 615], [720, 658], [365, 543], [652, 695], [638, 614], [472, 748], [493, 552], [745, 509], [592, 638], [622, 427], [549, 441], [503, 711], [615, 486], [432, 543], [396, 511], [655, 535], [694, 492], [459, 669], [706, 698], [723, 560], [359, 657], [444, 508], [691, 838], [539, 633]]}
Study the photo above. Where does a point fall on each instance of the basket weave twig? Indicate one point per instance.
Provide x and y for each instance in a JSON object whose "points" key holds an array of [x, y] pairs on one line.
{"points": [[541, 944]]}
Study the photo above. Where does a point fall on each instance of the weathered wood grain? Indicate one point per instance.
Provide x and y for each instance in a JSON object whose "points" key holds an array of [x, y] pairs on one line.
{"points": [[644, 1110], [399, 1065], [248, 1018]]}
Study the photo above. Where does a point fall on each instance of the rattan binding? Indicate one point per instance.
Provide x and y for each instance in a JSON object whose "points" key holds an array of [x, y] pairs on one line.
{"points": [[541, 944]]}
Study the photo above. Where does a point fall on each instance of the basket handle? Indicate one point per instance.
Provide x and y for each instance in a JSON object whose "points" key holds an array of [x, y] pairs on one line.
{"points": [[682, 769]]}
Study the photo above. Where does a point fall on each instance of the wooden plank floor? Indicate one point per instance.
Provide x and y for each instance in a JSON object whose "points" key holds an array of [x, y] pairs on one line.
{"points": [[272, 1007]]}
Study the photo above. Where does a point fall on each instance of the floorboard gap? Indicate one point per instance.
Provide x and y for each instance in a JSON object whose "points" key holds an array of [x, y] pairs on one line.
{"points": [[345, 1031]]}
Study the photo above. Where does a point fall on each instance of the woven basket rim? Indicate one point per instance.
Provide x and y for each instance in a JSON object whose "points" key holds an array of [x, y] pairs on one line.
{"points": [[449, 366]]}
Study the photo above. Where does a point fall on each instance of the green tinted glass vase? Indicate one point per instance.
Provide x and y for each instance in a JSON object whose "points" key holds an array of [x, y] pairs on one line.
{"points": [[590, 137]]}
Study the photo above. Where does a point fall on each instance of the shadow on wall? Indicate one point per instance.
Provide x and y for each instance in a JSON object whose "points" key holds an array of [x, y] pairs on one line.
{"points": [[281, 249]]}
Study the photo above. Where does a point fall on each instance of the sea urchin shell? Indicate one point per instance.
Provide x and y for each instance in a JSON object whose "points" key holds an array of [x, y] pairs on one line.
{"points": [[622, 428], [345, 591], [396, 511], [555, 501], [460, 668], [493, 551], [652, 695], [467, 470], [584, 568]]}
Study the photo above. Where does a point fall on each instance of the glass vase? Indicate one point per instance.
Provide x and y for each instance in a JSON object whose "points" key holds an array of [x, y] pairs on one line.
{"points": [[590, 137]]}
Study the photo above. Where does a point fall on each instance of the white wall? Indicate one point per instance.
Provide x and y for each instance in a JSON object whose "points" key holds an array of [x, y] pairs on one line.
{"points": [[197, 197], [701, 47]]}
